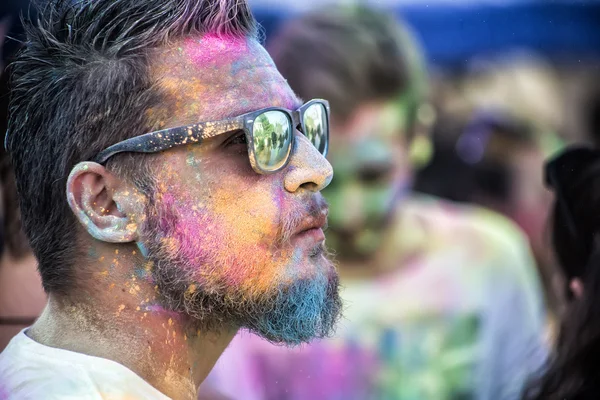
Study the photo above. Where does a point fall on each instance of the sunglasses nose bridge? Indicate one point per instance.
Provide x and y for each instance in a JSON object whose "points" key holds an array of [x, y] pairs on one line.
{"points": [[296, 119]]}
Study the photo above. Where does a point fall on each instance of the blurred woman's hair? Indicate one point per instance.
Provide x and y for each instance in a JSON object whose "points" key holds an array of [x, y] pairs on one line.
{"points": [[574, 372]]}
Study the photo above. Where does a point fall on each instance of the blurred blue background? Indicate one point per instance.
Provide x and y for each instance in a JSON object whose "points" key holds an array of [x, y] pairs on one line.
{"points": [[453, 32]]}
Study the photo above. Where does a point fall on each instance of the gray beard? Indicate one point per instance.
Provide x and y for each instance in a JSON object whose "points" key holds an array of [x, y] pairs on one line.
{"points": [[292, 314]]}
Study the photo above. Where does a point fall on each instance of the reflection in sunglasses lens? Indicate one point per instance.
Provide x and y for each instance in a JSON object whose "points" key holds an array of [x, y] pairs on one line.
{"points": [[272, 133], [315, 126]]}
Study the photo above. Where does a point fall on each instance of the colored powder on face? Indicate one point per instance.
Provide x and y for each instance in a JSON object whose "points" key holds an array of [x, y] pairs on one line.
{"points": [[216, 75], [155, 308], [144, 271], [221, 237], [255, 220], [230, 238], [119, 309], [224, 231]]}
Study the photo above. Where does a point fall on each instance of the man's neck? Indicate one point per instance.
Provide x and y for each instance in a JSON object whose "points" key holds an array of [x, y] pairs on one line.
{"points": [[119, 319]]}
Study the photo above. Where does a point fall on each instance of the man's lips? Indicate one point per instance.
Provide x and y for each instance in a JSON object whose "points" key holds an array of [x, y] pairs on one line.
{"points": [[311, 229]]}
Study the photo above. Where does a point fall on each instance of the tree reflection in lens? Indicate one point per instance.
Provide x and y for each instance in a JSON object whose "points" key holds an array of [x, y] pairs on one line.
{"points": [[314, 122], [271, 139]]}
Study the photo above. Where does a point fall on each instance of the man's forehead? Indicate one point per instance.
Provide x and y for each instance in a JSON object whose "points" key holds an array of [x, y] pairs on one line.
{"points": [[215, 77]]}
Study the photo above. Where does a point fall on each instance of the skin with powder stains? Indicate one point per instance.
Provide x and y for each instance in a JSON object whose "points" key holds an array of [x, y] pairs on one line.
{"points": [[193, 174], [226, 224]]}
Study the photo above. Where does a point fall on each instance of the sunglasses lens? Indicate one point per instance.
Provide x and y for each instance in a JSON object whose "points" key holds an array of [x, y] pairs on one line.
{"points": [[272, 132], [316, 127]]}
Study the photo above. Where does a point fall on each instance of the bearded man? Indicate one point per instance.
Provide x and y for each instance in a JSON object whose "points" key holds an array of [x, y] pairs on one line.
{"points": [[171, 194]]}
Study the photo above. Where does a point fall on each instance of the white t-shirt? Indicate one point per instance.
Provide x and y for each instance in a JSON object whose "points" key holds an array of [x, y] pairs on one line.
{"points": [[30, 370]]}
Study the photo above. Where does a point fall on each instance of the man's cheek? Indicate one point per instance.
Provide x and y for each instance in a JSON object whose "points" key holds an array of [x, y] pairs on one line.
{"points": [[252, 213]]}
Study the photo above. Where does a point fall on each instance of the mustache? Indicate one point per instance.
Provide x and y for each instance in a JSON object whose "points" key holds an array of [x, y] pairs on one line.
{"points": [[292, 221]]}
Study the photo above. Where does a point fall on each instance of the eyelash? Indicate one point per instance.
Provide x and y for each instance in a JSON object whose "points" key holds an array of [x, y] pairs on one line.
{"points": [[235, 139]]}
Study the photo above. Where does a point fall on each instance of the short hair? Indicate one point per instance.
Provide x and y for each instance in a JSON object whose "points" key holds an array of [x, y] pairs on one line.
{"points": [[81, 84], [348, 55]]}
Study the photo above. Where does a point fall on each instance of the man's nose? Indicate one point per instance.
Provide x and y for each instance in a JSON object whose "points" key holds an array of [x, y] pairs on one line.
{"points": [[308, 169]]}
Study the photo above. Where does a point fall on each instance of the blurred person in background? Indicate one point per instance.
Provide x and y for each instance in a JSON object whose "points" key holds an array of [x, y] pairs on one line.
{"points": [[572, 373], [502, 117], [496, 160], [21, 295], [442, 300]]}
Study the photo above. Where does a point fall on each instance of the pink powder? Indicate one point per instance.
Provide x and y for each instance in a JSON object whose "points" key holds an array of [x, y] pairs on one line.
{"points": [[215, 50]]}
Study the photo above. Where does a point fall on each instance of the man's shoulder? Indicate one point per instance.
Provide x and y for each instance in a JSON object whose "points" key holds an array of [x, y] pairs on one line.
{"points": [[29, 370], [27, 375]]}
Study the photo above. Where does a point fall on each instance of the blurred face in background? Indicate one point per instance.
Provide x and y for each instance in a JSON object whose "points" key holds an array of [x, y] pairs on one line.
{"points": [[369, 153]]}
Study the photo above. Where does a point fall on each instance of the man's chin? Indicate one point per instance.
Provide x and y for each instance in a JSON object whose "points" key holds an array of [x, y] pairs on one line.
{"points": [[303, 310], [299, 305], [313, 263]]}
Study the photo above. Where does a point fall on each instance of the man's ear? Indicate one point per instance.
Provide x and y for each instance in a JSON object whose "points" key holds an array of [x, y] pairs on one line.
{"points": [[105, 205]]}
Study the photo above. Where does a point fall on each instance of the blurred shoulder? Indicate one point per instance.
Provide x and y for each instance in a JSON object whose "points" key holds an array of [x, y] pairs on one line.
{"points": [[472, 226]]}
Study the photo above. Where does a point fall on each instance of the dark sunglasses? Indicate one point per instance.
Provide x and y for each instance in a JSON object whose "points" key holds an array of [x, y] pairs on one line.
{"points": [[269, 134], [572, 167]]}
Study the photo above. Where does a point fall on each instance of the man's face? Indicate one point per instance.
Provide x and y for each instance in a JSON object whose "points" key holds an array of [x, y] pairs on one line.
{"points": [[370, 155], [230, 246]]}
